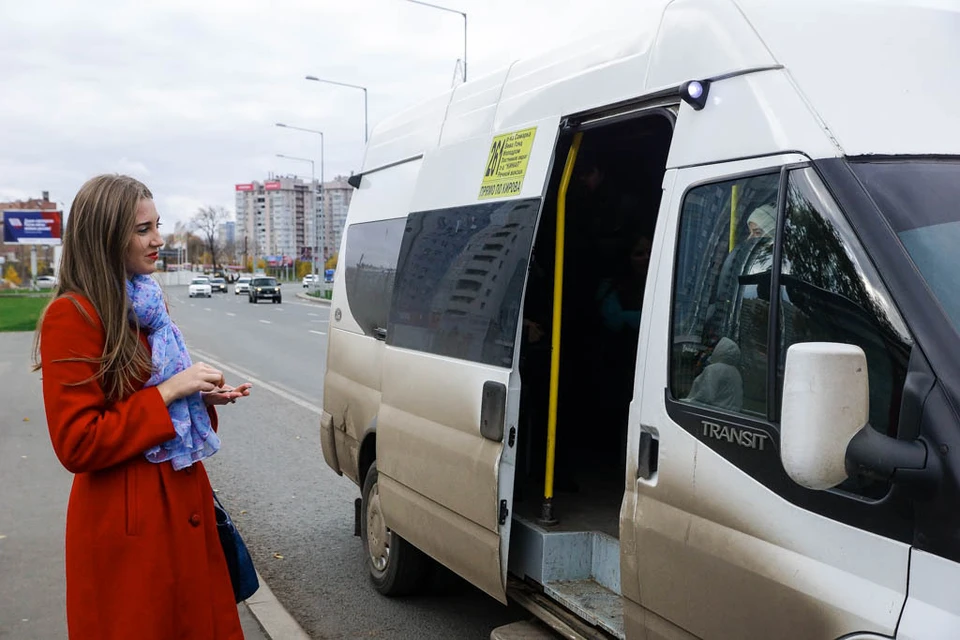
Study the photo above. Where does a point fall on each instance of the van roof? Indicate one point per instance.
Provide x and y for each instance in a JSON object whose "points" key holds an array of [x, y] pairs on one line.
{"points": [[875, 73]]}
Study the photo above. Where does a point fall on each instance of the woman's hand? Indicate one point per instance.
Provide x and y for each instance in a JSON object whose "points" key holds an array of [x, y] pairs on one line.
{"points": [[226, 394], [199, 377]]}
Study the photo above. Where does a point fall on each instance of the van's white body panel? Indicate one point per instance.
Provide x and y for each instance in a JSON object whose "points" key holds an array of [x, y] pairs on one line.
{"points": [[701, 541]]}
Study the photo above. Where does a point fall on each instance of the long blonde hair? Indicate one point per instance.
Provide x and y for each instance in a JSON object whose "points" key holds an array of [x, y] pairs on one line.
{"points": [[101, 224]]}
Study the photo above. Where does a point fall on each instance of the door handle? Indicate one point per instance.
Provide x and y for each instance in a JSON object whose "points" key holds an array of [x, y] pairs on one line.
{"points": [[493, 410], [380, 333], [649, 455]]}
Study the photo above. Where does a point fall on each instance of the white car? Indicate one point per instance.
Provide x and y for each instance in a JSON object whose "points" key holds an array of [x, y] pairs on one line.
{"points": [[309, 279], [200, 287], [45, 282], [242, 285]]}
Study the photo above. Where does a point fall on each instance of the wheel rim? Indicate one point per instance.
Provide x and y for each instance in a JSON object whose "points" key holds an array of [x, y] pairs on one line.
{"points": [[379, 537]]}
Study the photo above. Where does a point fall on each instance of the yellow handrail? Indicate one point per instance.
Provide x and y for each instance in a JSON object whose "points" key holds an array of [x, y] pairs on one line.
{"points": [[557, 307], [734, 196]]}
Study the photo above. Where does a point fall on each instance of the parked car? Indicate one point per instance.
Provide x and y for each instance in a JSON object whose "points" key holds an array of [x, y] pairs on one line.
{"points": [[242, 285], [309, 279], [218, 285], [200, 288], [45, 282], [264, 288]]}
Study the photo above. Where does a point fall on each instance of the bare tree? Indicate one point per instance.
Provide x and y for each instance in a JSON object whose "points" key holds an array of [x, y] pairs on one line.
{"points": [[207, 222]]}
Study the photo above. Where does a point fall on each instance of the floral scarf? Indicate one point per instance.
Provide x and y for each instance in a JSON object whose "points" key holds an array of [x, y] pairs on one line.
{"points": [[195, 439]]}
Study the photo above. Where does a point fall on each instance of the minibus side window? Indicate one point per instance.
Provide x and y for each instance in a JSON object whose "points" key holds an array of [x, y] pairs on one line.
{"points": [[722, 294], [830, 292], [370, 265], [460, 280]]}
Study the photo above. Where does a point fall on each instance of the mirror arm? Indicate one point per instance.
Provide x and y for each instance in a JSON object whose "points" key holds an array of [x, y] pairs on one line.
{"points": [[879, 457]]}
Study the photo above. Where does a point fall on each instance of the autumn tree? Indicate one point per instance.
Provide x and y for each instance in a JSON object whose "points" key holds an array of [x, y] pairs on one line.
{"points": [[207, 222]]}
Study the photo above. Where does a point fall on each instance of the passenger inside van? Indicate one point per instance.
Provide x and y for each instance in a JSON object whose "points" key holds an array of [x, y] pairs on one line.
{"points": [[611, 209]]}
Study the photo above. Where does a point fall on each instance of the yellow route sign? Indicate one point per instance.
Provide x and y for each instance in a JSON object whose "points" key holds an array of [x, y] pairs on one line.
{"points": [[507, 164]]}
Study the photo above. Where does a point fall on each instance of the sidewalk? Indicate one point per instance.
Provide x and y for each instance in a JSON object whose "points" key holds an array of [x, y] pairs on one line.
{"points": [[34, 488]]}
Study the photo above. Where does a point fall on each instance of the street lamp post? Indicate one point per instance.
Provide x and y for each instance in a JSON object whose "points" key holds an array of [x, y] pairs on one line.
{"points": [[434, 6], [313, 180], [366, 129], [316, 220]]}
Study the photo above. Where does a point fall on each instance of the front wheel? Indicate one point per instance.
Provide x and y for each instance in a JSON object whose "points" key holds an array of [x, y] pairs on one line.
{"points": [[396, 567]]}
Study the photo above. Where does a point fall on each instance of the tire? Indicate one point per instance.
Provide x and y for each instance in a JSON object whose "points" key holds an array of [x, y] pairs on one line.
{"points": [[251, 300], [279, 300], [395, 566]]}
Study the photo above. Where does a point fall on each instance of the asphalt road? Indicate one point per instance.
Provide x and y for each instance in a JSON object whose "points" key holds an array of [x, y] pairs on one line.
{"points": [[294, 512]]}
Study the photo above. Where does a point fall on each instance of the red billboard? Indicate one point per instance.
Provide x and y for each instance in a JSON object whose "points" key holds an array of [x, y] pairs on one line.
{"points": [[272, 185], [245, 187]]}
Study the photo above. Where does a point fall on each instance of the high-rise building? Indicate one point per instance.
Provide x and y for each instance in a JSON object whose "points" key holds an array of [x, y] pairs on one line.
{"points": [[275, 217], [336, 195], [227, 233]]}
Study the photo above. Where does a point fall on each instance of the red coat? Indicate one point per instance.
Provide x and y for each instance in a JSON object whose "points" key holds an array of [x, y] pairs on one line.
{"points": [[143, 558]]}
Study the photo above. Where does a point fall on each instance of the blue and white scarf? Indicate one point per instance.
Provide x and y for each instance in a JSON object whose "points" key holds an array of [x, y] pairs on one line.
{"points": [[196, 438]]}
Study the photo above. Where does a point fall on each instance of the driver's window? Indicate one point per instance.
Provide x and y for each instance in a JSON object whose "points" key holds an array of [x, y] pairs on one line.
{"points": [[830, 292], [721, 301]]}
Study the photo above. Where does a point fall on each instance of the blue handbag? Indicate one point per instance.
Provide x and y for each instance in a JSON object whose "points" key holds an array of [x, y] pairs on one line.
{"points": [[243, 575]]}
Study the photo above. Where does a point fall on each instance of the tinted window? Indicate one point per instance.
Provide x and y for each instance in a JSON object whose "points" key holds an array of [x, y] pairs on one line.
{"points": [[830, 292], [371, 264], [200, 281], [722, 294], [919, 198], [460, 280], [264, 282]]}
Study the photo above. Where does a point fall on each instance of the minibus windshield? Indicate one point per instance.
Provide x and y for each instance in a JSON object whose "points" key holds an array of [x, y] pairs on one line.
{"points": [[920, 197]]}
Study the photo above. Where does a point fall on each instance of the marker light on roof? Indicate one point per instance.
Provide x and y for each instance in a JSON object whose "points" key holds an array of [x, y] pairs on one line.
{"points": [[694, 93]]}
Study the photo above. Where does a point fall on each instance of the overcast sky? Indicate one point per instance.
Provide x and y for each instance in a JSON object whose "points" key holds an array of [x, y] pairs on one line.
{"points": [[184, 94]]}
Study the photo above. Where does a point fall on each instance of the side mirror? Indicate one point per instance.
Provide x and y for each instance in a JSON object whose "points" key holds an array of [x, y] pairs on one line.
{"points": [[824, 432], [825, 403]]}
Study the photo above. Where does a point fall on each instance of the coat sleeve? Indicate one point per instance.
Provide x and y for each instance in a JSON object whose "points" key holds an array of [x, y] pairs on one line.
{"points": [[88, 432]]}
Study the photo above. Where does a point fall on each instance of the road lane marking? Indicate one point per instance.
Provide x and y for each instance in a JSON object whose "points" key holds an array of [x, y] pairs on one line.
{"points": [[315, 315], [319, 333], [265, 322], [277, 389], [206, 308], [230, 313]]}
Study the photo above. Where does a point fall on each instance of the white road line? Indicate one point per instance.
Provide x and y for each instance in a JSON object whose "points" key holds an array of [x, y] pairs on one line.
{"points": [[240, 370], [319, 333], [206, 308], [230, 313], [277, 389], [315, 315], [265, 322]]}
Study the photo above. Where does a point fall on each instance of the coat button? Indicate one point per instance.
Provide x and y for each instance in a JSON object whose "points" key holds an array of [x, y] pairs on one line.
{"points": [[188, 470], [195, 519]]}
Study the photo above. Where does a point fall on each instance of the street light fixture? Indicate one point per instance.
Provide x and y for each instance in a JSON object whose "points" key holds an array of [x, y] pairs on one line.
{"points": [[313, 180], [434, 6], [366, 130], [316, 220]]}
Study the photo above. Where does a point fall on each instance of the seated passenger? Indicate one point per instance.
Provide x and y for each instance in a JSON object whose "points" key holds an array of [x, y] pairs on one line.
{"points": [[720, 385]]}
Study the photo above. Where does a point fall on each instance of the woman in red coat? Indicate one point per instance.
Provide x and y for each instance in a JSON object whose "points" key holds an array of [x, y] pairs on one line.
{"points": [[132, 418]]}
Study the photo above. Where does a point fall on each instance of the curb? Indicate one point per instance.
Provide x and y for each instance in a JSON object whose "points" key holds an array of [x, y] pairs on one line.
{"points": [[276, 622], [304, 296]]}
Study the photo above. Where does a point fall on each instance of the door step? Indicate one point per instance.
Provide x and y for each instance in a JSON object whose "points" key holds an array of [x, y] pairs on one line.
{"points": [[591, 601], [580, 570]]}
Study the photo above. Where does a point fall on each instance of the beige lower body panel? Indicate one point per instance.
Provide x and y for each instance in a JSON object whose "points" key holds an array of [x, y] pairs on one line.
{"points": [[462, 546], [641, 624], [328, 442]]}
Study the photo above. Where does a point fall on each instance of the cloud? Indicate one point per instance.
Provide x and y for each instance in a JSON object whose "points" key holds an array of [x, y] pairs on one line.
{"points": [[184, 95]]}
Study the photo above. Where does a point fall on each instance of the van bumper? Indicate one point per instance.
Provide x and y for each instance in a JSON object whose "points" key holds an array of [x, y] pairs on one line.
{"points": [[328, 443]]}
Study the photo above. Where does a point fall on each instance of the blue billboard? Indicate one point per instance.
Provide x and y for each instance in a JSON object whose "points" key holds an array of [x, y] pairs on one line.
{"points": [[21, 226]]}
